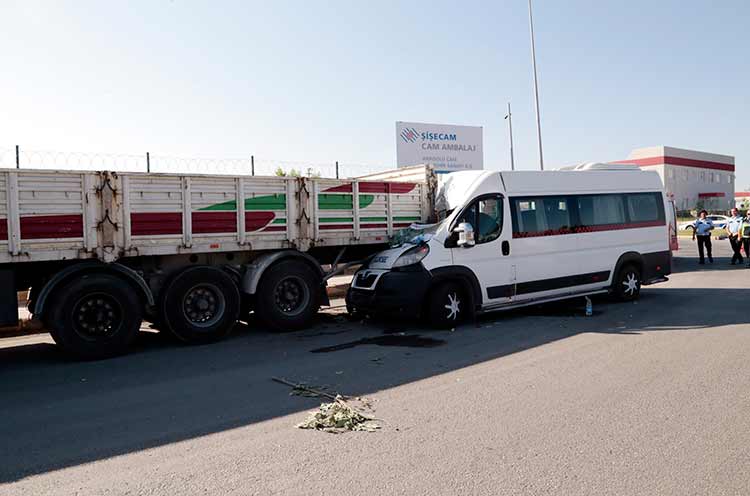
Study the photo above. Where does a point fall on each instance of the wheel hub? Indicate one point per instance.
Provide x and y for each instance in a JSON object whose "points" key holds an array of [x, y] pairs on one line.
{"points": [[453, 306], [203, 305], [291, 295], [96, 316], [630, 284]]}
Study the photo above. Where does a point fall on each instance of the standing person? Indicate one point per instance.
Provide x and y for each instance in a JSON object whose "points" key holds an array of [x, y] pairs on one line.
{"points": [[702, 230], [733, 230], [744, 234]]}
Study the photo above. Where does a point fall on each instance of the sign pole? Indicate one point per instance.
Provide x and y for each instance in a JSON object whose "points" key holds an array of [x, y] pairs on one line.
{"points": [[510, 132], [536, 90]]}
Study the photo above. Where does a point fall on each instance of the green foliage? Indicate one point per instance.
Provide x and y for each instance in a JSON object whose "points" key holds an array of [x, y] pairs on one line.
{"points": [[339, 416]]}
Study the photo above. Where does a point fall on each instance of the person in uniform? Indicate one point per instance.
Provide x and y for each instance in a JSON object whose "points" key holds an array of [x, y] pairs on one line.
{"points": [[744, 234], [702, 228], [733, 232]]}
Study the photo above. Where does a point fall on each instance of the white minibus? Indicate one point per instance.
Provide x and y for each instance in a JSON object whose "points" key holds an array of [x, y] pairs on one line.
{"points": [[509, 239]]}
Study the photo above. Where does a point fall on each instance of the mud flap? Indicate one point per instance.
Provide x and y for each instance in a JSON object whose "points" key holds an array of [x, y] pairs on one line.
{"points": [[8, 299]]}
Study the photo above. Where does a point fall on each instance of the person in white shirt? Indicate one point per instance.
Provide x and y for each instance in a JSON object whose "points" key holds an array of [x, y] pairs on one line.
{"points": [[702, 228], [733, 231]]}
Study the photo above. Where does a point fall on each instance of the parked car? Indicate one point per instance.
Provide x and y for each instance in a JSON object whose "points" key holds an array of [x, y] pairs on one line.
{"points": [[720, 222]]}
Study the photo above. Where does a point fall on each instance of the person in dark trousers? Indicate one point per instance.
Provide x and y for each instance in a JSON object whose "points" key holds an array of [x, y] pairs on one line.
{"points": [[702, 228], [733, 232], [745, 236]]}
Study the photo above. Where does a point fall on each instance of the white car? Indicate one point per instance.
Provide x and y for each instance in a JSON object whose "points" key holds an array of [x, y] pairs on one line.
{"points": [[720, 222]]}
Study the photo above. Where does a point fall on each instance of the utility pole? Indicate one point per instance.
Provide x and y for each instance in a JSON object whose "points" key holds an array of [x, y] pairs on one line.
{"points": [[536, 90], [510, 132]]}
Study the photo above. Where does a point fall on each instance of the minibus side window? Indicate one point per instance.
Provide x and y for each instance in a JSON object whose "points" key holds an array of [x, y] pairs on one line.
{"points": [[645, 207], [601, 210], [486, 217], [544, 215], [489, 220]]}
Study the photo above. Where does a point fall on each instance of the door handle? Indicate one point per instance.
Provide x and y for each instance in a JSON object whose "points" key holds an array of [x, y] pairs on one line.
{"points": [[506, 248]]}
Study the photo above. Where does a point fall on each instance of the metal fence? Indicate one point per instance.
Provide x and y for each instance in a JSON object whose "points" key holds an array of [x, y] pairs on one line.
{"points": [[22, 158]]}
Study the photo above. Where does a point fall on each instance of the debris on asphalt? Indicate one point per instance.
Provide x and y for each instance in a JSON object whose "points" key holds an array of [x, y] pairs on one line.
{"points": [[339, 416]]}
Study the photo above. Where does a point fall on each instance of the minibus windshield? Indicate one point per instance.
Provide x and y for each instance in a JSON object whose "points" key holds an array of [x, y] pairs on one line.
{"points": [[415, 234]]}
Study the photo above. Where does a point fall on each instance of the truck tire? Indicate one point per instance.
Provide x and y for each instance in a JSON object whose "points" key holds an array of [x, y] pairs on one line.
{"points": [[447, 305], [95, 316], [288, 296], [200, 305], [627, 283]]}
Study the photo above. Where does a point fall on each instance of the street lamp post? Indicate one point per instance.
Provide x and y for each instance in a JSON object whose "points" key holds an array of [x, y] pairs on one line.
{"points": [[536, 90], [510, 132]]}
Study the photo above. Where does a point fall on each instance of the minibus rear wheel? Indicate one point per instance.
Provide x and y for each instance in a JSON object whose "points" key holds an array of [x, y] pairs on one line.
{"points": [[627, 284], [447, 305]]}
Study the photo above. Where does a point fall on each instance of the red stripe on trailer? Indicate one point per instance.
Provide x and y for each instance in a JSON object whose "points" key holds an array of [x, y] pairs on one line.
{"points": [[710, 195], [374, 187], [51, 226], [155, 223], [3, 229], [275, 229], [330, 227], [588, 229], [392, 188], [214, 222], [341, 188], [257, 220]]}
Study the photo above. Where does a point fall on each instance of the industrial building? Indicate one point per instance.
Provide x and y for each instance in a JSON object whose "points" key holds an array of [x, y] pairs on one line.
{"points": [[691, 178]]}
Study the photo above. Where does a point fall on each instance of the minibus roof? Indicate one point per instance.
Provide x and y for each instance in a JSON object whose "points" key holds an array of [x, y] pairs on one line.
{"points": [[581, 181]]}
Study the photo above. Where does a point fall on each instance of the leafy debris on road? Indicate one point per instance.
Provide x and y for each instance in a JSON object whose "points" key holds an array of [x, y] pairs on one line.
{"points": [[338, 416]]}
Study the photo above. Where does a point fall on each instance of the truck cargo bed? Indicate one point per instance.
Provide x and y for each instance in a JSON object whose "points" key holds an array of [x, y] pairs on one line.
{"points": [[62, 215]]}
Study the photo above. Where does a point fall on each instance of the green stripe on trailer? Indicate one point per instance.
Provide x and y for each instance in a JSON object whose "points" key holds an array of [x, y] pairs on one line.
{"points": [[279, 221], [336, 201], [266, 202]]}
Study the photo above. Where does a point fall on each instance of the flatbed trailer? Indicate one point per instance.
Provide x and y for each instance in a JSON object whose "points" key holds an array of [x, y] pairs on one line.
{"points": [[100, 251]]}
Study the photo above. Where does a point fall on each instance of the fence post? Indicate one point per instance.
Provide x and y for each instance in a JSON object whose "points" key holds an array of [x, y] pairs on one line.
{"points": [[337, 169], [18, 158], [252, 165], [148, 162]]}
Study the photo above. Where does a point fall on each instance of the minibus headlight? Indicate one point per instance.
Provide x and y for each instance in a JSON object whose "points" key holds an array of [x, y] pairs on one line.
{"points": [[412, 256]]}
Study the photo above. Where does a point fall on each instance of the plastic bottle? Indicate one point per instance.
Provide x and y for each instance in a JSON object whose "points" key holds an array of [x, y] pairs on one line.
{"points": [[589, 307]]}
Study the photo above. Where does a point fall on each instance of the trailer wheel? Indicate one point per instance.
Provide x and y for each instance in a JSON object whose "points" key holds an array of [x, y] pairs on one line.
{"points": [[96, 316], [288, 296], [447, 305], [200, 305], [627, 283]]}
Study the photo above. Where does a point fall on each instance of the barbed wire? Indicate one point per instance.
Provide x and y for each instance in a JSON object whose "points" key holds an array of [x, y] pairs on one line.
{"points": [[50, 159]]}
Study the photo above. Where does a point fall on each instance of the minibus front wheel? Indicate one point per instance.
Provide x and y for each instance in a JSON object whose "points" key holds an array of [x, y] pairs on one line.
{"points": [[447, 305]]}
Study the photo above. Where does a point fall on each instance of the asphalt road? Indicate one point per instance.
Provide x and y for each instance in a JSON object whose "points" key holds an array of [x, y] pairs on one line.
{"points": [[646, 398]]}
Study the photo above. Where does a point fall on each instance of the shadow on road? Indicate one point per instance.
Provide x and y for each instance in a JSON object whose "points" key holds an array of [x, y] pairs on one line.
{"points": [[58, 413]]}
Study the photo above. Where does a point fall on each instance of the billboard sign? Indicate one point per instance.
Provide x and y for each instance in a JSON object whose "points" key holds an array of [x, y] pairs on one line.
{"points": [[448, 148]]}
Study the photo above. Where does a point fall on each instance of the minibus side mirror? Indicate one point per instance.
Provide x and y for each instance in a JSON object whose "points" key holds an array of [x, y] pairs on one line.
{"points": [[465, 235]]}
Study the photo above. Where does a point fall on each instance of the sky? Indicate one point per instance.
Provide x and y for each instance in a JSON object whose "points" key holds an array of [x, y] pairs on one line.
{"points": [[307, 81]]}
